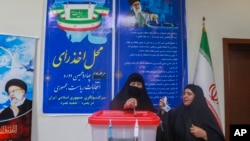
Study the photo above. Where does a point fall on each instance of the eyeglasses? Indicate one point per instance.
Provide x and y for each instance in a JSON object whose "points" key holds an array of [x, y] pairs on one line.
{"points": [[13, 91]]}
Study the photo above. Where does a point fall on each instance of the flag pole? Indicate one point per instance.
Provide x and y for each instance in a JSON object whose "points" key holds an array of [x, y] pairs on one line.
{"points": [[203, 22], [204, 76]]}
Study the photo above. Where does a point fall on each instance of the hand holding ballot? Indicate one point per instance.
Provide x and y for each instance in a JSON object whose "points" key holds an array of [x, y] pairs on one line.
{"points": [[130, 103], [163, 103]]}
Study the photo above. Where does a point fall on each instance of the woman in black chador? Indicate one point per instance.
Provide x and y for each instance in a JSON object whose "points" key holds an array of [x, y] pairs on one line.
{"points": [[133, 95], [193, 120]]}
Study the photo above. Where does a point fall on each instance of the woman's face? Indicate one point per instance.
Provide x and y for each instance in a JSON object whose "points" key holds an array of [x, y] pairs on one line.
{"points": [[188, 97], [136, 84]]}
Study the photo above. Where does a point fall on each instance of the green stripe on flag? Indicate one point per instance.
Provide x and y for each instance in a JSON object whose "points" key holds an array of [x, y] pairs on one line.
{"points": [[204, 47]]}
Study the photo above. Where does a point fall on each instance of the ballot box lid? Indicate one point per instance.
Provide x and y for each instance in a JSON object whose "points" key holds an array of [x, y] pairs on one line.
{"points": [[117, 117]]}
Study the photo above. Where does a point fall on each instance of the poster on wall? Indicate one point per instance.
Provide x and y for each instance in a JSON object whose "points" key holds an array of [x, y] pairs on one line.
{"points": [[17, 55], [151, 40], [80, 75], [78, 56]]}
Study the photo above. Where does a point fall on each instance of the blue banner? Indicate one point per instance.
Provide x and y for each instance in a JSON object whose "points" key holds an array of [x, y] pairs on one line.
{"points": [[78, 50], [154, 46], [79, 45]]}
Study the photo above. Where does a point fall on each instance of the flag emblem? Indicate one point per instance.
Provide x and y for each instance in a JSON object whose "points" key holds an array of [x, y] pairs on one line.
{"points": [[204, 76], [213, 93]]}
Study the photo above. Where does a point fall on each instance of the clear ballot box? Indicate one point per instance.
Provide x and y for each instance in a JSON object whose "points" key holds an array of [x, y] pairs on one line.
{"points": [[113, 125]]}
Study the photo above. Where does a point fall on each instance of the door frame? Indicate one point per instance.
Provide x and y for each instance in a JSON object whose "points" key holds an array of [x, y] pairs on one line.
{"points": [[227, 42]]}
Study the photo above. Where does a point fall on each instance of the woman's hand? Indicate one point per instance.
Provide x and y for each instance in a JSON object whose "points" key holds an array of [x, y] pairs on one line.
{"points": [[130, 103], [162, 102], [198, 132]]}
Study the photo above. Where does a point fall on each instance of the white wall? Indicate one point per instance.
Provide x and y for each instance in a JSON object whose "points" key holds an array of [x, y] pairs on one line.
{"points": [[224, 18]]}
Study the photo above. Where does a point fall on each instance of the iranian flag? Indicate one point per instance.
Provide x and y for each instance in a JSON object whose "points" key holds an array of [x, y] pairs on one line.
{"points": [[204, 76]]}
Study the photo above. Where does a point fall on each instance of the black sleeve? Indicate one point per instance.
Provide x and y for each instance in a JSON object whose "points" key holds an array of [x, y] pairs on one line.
{"points": [[117, 103], [6, 114], [162, 132]]}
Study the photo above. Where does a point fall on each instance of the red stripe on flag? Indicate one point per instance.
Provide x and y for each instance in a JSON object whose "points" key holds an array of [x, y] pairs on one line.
{"points": [[214, 113]]}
